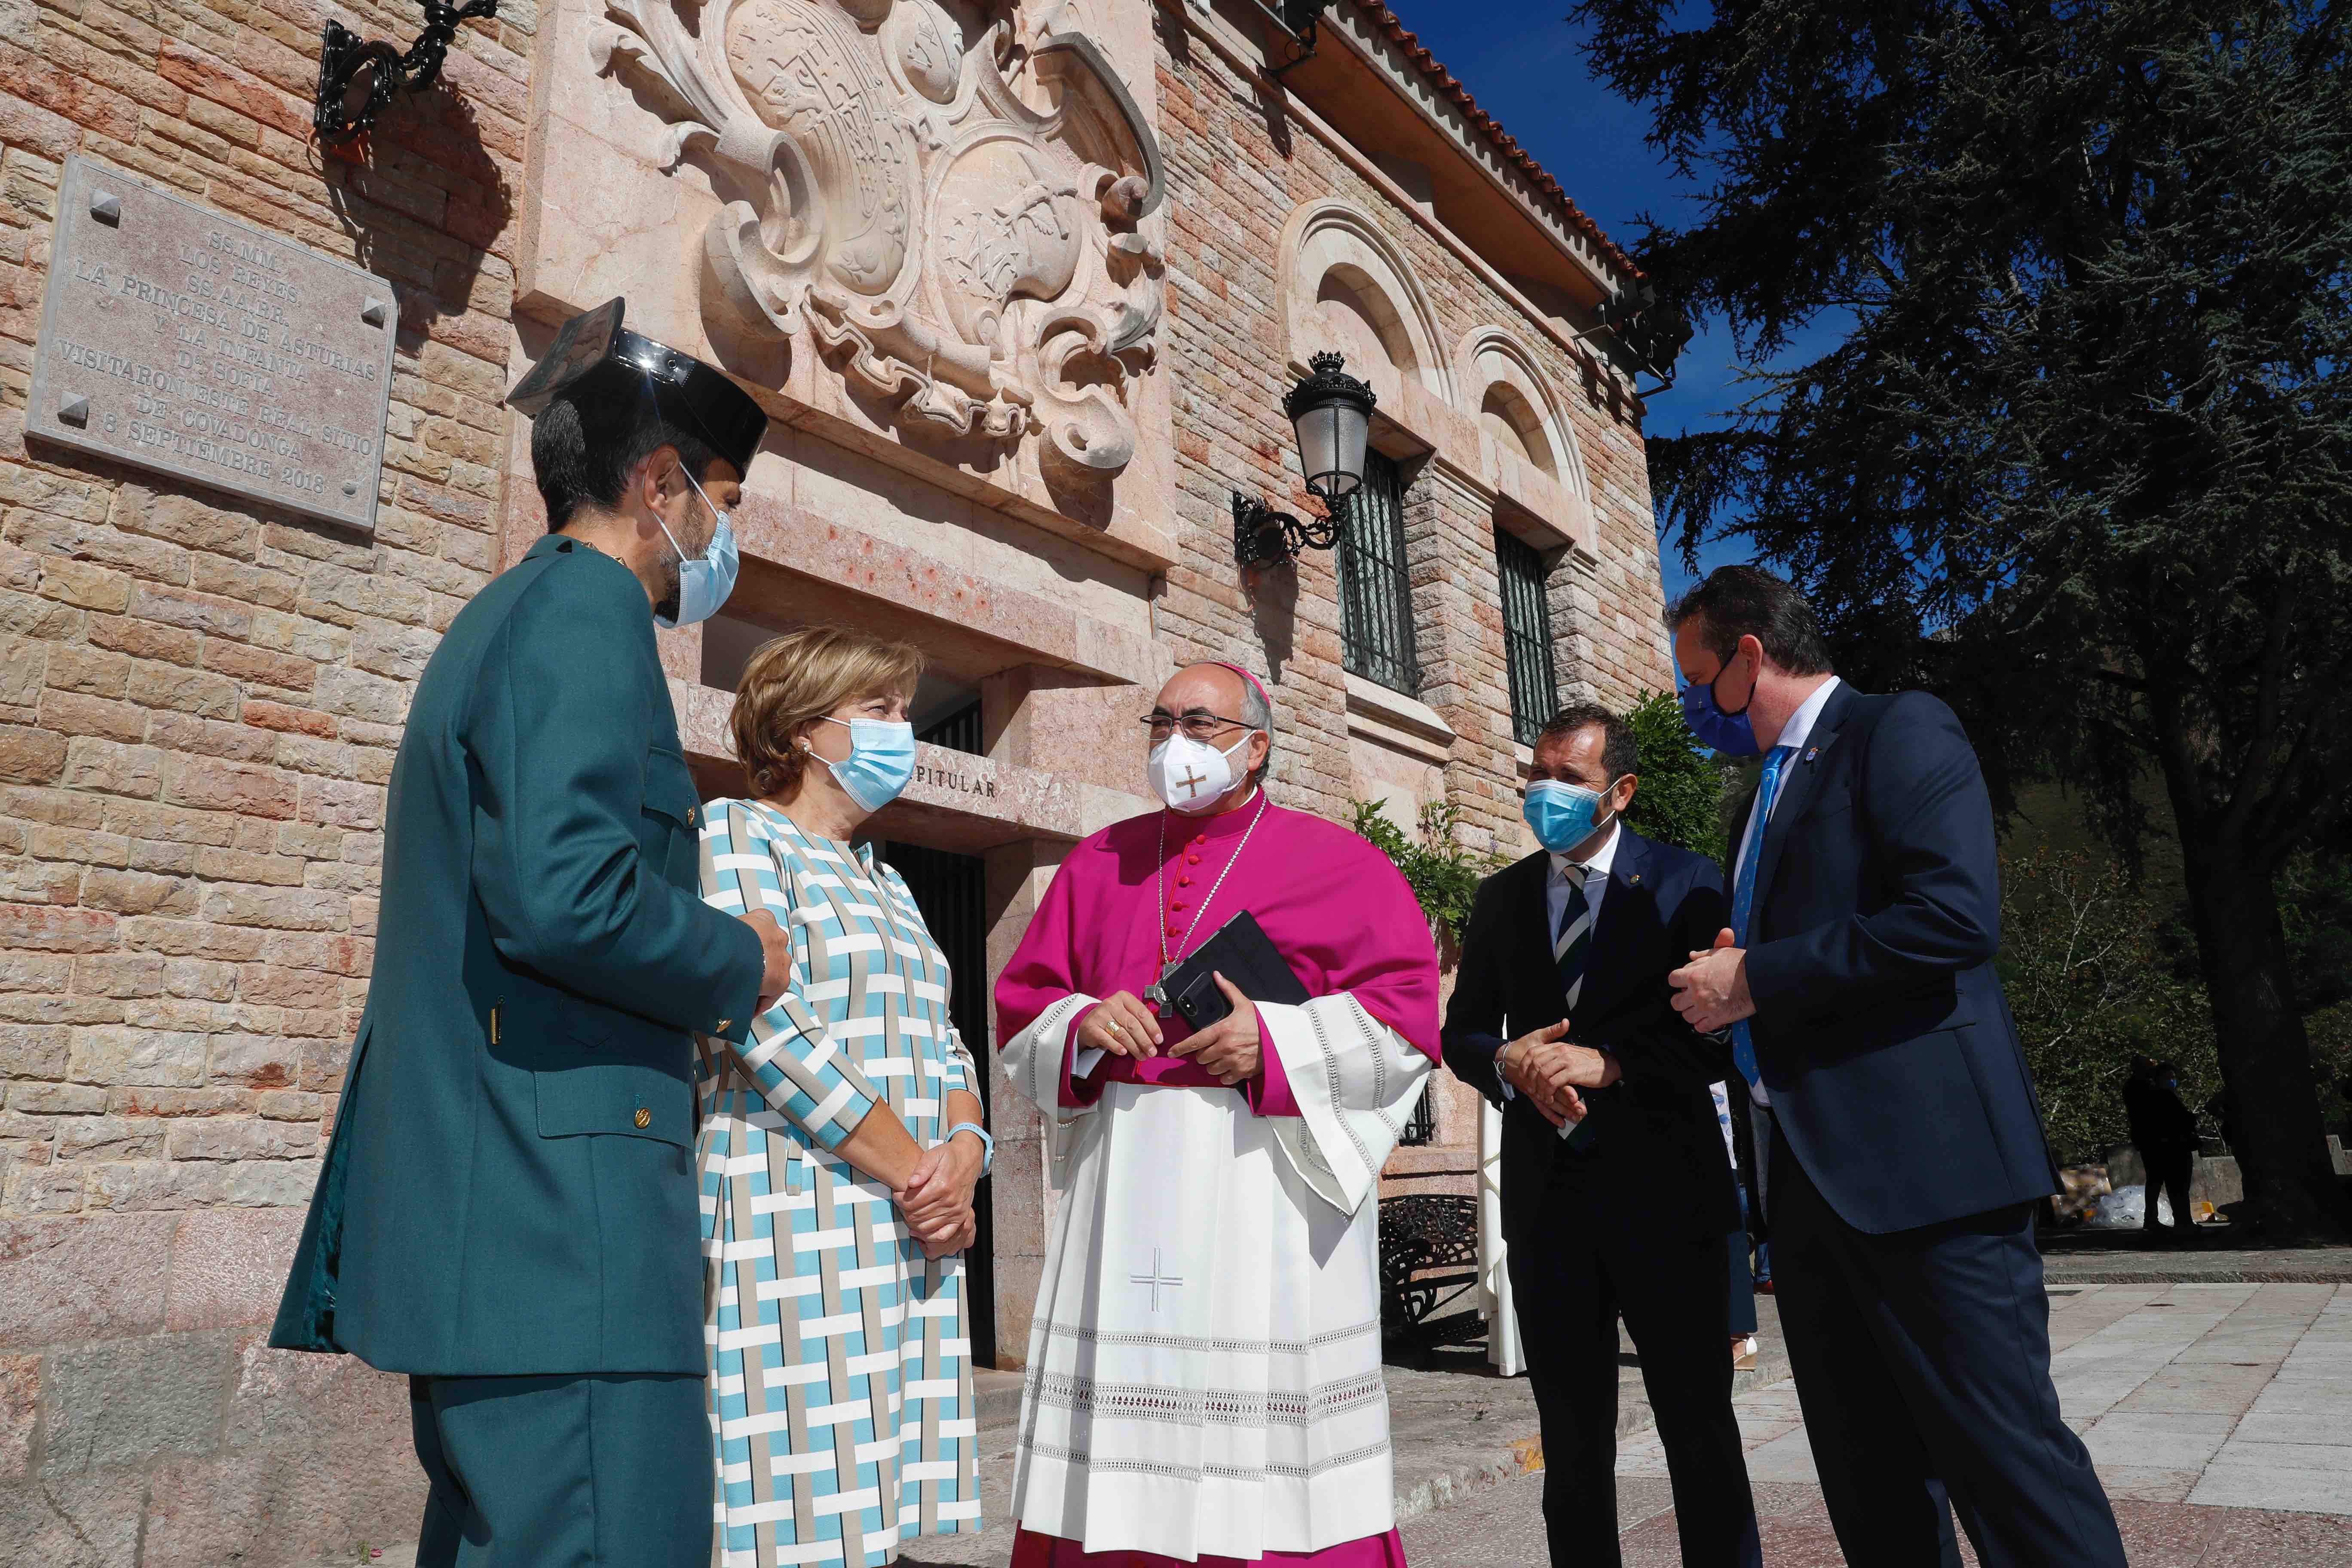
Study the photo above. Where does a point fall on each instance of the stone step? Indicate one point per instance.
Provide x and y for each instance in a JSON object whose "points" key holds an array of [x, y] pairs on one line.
{"points": [[996, 1398]]}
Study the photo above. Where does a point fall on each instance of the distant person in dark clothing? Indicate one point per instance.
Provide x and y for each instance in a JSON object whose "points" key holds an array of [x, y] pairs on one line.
{"points": [[2165, 1132]]}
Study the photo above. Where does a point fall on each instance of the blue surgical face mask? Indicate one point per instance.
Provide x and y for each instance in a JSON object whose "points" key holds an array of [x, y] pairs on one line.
{"points": [[1729, 733], [1562, 814], [703, 586], [881, 760]]}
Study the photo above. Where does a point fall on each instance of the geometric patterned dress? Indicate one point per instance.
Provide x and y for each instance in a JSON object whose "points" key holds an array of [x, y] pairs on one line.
{"points": [[842, 1409]]}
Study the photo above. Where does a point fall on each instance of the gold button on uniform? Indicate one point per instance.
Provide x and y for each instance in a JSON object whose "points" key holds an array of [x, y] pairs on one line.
{"points": [[645, 1117]]}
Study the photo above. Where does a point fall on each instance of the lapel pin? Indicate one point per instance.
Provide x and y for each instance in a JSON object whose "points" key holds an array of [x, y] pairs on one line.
{"points": [[1635, 880], [1811, 751]]}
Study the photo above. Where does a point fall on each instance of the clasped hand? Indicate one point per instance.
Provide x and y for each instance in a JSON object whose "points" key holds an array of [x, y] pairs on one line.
{"points": [[936, 1201], [1122, 1025], [1232, 1047], [1711, 990], [1542, 1066]]}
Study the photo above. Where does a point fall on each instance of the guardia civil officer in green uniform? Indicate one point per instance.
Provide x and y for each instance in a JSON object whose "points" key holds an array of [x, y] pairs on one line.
{"points": [[507, 1212]]}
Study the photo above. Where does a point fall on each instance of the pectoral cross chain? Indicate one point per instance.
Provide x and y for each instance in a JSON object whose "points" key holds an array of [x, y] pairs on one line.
{"points": [[1156, 1279]]}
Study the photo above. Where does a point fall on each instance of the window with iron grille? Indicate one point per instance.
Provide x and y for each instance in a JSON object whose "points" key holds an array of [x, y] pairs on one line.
{"points": [[1527, 635], [1420, 1127], [957, 732], [1375, 590]]}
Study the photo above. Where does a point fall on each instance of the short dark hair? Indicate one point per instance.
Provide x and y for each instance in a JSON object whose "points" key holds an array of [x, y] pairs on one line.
{"points": [[1621, 752], [1737, 602], [588, 441]]}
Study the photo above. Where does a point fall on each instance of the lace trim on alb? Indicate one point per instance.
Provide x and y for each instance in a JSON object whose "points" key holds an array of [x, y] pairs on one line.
{"points": [[1212, 1406], [1210, 1472], [1210, 1343]]}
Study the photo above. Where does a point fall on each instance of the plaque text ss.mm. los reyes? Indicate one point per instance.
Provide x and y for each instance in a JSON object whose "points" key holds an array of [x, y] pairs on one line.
{"points": [[179, 339]]}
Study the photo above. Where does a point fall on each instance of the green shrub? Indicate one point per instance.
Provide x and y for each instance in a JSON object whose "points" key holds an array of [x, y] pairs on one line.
{"points": [[1442, 874], [1681, 798]]}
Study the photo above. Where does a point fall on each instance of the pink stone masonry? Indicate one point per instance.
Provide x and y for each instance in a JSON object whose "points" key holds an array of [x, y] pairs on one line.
{"points": [[199, 701]]}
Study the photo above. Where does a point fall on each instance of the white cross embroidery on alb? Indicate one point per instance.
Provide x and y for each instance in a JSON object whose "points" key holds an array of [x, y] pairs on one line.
{"points": [[1156, 1278]]}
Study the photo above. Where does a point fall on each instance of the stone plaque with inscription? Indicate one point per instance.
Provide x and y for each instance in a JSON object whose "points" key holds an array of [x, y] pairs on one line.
{"points": [[179, 339]]}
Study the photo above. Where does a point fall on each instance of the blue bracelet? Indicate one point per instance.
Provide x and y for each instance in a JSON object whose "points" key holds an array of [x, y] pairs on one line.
{"points": [[987, 1145]]}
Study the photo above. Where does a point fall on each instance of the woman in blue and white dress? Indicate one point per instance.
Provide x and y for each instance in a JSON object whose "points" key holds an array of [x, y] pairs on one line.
{"points": [[839, 1145]]}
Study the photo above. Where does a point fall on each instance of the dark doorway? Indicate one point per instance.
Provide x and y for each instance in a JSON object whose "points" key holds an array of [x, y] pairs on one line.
{"points": [[951, 891]]}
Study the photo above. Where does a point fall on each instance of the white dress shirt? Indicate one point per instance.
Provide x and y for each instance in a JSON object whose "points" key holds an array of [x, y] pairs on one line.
{"points": [[1556, 888], [1793, 735], [1596, 883]]}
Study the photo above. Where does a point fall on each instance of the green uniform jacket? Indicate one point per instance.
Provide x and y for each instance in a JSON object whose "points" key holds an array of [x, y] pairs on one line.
{"points": [[511, 1186]]}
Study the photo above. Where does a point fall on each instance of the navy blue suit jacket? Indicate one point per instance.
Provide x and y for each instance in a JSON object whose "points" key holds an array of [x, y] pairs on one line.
{"points": [[1656, 1149], [1893, 1064]]}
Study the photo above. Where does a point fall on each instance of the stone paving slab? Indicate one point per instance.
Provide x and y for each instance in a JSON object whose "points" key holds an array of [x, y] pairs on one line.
{"points": [[2218, 1393], [1504, 1529]]}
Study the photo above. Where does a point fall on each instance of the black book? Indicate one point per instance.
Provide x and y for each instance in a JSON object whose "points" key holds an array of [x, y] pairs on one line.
{"points": [[1242, 953]]}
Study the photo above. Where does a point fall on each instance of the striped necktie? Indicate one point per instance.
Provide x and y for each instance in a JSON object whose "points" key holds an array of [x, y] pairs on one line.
{"points": [[1743, 892], [1575, 936], [1568, 950]]}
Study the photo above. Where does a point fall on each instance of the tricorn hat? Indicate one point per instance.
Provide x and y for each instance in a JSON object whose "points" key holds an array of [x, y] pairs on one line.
{"points": [[688, 391]]}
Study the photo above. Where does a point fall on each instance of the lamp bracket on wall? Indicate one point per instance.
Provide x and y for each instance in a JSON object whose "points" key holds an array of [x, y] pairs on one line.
{"points": [[1651, 330], [343, 55], [1300, 22], [1265, 537]]}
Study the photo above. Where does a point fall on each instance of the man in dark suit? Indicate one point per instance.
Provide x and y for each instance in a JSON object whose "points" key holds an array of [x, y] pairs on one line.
{"points": [[1616, 1195], [507, 1212], [1908, 1155]]}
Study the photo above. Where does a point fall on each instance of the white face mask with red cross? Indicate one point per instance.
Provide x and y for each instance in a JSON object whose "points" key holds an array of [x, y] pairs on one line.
{"points": [[1192, 775]]}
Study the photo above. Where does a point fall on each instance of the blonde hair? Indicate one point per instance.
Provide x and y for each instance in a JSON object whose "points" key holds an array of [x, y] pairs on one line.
{"points": [[805, 675]]}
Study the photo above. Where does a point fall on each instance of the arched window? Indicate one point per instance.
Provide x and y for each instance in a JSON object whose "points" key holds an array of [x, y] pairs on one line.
{"points": [[1505, 414], [1518, 408], [1347, 286]]}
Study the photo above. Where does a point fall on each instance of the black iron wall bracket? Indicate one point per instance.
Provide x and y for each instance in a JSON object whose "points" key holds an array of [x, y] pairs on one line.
{"points": [[343, 55], [1265, 537], [1300, 21]]}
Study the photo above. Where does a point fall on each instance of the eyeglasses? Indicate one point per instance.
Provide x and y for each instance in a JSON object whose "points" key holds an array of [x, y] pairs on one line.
{"points": [[1199, 726]]}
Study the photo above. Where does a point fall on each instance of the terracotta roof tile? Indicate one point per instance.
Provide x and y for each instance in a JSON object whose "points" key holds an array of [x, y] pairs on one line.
{"points": [[1446, 82]]}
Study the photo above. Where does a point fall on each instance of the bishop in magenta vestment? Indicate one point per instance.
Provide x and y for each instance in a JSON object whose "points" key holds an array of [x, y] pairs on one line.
{"points": [[1204, 1363]]}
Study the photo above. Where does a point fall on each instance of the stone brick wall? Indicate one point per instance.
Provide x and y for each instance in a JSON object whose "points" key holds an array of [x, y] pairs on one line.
{"points": [[198, 706], [1237, 166]]}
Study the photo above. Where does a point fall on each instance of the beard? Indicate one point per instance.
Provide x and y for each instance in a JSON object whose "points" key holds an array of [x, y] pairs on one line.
{"points": [[667, 606]]}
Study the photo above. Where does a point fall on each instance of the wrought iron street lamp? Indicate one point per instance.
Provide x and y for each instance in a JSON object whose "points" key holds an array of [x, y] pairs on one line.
{"points": [[1331, 415]]}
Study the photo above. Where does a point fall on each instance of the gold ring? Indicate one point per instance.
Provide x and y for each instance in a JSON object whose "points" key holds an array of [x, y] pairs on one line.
{"points": [[1112, 1024]]}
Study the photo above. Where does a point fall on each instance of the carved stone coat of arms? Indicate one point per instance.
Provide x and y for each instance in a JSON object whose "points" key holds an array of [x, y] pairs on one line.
{"points": [[965, 226]]}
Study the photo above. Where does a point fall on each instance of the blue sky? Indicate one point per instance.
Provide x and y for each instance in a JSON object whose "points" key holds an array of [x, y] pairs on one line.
{"points": [[1525, 66]]}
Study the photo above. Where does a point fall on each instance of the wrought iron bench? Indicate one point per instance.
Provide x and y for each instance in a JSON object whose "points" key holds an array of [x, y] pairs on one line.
{"points": [[1428, 1257]]}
